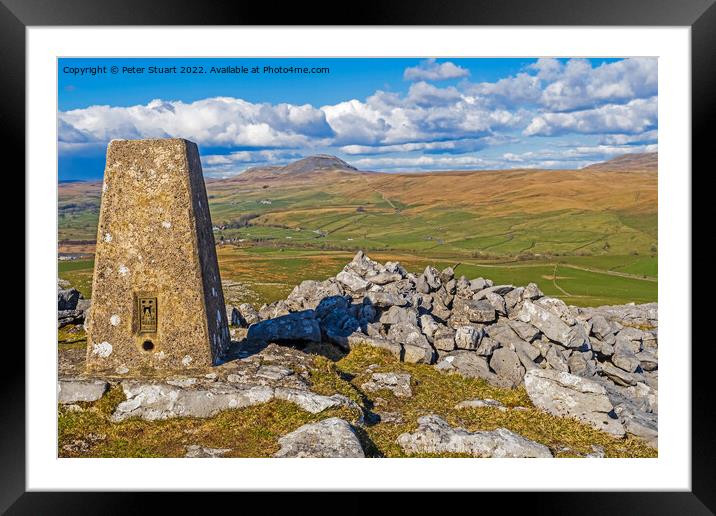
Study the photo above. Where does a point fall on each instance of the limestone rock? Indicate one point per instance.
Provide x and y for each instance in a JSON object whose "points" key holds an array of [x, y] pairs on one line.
{"points": [[291, 328], [470, 365], [467, 337], [566, 395], [195, 451], [435, 435], [397, 383], [67, 299], [507, 366], [396, 315], [477, 403], [429, 326], [551, 325], [358, 339], [444, 338], [157, 401], [385, 299], [71, 390], [310, 401], [352, 281], [480, 311], [333, 437]]}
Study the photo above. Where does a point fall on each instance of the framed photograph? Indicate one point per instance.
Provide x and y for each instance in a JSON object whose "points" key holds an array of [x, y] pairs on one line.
{"points": [[415, 252]]}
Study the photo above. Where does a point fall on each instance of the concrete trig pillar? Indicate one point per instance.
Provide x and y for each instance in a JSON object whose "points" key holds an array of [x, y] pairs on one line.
{"points": [[157, 300]]}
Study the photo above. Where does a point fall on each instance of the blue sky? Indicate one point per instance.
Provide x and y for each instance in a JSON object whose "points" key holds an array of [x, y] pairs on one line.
{"points": [[378, 114]]}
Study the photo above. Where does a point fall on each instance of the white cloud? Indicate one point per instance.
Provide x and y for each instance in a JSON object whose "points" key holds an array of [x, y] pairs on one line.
{"points": [[578, 85], [624, 139], [519, 89], [548, 68], [217, 121], [451, 146], [425, 127], [431, 70], [634, 117]]}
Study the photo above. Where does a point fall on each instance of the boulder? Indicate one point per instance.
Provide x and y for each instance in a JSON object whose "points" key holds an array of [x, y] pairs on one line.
{"points": [[555, 359], [311, 401], [566, 395], [67, 298], [617, 375], [497, 289], [158, 401], [399, 315], [72, 390], [385, 299], [444, 339], [531, 292], [507, 366], [362, 265], [432, 277], [331, 438], [498, 302], [352, 282], [487, 346], [383, 278], [273, 310], [359, 339], [648, 360], [552, 325], [248, 313], [470, 310], [435, 435], [65, 317], [467, 337], [479, 283], [429, 326], [397, 383], [626, 360], [524, 330], [416, 348], [601, 327], [470, 365], [297, 327]]}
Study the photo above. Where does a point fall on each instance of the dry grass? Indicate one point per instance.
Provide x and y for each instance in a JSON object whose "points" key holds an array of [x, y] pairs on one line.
{"points": [[254, 431]]}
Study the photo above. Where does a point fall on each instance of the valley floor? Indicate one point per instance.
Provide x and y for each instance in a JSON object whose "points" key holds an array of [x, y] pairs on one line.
{"points": [[259, 275]]}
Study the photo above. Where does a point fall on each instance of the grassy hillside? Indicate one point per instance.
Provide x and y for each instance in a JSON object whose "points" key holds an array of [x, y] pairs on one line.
{"points": [[598, 226]]}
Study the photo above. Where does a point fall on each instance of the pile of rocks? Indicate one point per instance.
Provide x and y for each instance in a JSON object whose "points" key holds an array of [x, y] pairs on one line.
{"points": [[71, 306], [605, 358]]}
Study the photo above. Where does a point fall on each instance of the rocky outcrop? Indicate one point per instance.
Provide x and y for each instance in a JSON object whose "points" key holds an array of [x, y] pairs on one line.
{"points": [[157, 400], [332, 437], [474, 328], [435, 436], [567, 395]]}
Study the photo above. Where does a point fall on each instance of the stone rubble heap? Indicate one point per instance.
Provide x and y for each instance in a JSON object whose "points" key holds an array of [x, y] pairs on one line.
{"points": [[601, 364]]}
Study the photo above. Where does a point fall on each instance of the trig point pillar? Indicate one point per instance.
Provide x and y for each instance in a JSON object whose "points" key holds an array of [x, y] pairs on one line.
{"points": [[157, 300]]}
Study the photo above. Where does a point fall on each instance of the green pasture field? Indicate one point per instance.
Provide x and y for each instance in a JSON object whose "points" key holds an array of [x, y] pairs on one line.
{"points": [[268, 274]]}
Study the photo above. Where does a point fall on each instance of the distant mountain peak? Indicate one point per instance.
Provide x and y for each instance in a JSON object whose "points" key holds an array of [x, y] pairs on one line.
{"points": [[318, 162], [305, 165], [628, 163]]}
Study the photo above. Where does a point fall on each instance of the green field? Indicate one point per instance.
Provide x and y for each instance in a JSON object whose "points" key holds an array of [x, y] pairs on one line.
{"points": [[588, 237], [264, 274]]}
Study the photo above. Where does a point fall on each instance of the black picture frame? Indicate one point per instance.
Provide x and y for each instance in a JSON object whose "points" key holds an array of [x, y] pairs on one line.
{"points": [[700, 15]]}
